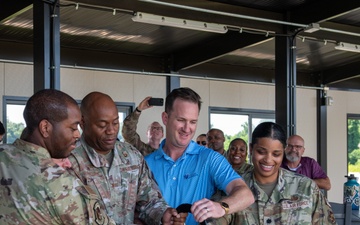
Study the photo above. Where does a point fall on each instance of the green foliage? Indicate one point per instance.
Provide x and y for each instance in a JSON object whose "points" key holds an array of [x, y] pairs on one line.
{"points": [[243, 133], [353, 135], [354, 156], [354, 168], [13, 131]]}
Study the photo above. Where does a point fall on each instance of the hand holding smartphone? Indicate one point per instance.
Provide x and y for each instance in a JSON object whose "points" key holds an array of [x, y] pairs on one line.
{"points": [[156, 101]]}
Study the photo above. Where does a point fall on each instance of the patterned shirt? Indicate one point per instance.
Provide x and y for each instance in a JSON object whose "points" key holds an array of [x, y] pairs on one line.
{"points": [[124, 186], [131, 136], [35, 190], [295, 200]]}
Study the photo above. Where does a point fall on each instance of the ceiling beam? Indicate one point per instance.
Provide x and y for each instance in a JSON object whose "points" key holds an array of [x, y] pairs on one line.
{"points": [[211, 49], [316, 12], [341, 73], [10, 8], [201, 11]]}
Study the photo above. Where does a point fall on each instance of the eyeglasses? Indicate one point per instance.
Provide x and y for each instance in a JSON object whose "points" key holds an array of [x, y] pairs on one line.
{"points": [[155, 128], [297, 147], [201, 142]]}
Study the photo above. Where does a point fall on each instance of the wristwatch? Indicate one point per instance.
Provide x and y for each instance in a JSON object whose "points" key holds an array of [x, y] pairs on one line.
{"points": [[225, 206]]}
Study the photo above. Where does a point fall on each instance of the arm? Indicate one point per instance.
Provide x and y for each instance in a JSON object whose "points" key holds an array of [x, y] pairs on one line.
{"points": [[129, 129], [150, 204], [322, 212], [323, 183], [239, 198], [319, 176]]}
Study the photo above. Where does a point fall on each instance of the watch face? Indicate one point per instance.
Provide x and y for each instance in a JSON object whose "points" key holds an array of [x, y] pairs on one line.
{"points": [[225, 204]]}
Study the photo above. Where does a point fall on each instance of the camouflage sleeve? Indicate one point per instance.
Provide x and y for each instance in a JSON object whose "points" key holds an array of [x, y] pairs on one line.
{"points": [[131, 136], [323, 213], [82, 206], [151, 204]]}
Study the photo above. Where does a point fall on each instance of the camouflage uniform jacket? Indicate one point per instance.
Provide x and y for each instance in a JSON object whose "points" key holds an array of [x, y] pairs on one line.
{"points": [[35, 190], [129, 133], [123, 186], [295, 200], [245, 167]]}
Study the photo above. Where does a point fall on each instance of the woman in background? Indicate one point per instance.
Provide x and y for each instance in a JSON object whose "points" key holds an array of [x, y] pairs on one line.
{"points": [[237, 156]]}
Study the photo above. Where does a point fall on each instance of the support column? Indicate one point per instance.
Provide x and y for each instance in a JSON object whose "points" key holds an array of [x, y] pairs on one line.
{"points": [[172, 83], [285, 83], [322, 129], [46, 45]]}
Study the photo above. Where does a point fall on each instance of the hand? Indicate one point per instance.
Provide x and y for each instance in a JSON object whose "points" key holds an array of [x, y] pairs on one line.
{"points": [[144, 104], [205, 208], [172, 217]]}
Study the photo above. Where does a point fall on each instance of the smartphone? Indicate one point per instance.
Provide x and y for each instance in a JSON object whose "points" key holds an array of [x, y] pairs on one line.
{"points": [[156, 101]]}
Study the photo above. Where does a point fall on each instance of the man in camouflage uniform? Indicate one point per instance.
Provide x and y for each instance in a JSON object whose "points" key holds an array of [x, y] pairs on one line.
{"points": [[34, 189], [155, 131], [116, 170]]}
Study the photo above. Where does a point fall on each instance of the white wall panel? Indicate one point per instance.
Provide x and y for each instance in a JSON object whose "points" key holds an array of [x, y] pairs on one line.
{"points": [[306, 120], [202, 87], [18, 79], [144, 86]]}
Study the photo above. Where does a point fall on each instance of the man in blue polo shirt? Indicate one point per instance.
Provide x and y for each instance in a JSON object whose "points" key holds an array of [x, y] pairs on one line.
{"points": [[189, 173]]}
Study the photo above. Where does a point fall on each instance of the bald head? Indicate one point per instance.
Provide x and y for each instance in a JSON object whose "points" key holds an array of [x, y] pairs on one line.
{"points": [[294, 148], [100, 121], [94, 102]]}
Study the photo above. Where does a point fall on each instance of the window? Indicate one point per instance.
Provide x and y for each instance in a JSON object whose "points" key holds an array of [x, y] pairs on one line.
{"points": [[353, 140], [13, 117], [238, 123], [14, 122]]}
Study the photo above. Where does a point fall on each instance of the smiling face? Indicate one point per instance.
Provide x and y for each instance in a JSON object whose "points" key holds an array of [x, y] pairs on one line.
{"points": [[294, 148], [267, 155], [237, 153], [180, 124]]}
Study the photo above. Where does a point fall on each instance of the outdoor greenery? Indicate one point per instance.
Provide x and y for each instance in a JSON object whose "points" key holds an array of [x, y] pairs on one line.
{"points": [[243, 133], [13, 131], [353, 145]]}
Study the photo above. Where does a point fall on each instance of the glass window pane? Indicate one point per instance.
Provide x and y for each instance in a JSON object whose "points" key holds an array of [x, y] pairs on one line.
{"points": [[15, 122]]}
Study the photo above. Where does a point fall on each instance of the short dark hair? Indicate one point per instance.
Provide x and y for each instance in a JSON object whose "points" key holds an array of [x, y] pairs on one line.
{"points": [[183, 93], [269, 130], [238, 139], [2, 128], [49, 104]]}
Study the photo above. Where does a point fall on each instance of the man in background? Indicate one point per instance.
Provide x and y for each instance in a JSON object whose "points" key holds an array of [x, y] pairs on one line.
{"points": [[215, 140], [307, 166], [201, 140], [116, 170], [155, 131], [2, 131]]}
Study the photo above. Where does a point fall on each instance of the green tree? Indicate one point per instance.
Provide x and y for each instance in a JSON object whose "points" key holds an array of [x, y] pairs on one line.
{"points": [[353, 134], [243, 133], [354, 156], [13, 130]]}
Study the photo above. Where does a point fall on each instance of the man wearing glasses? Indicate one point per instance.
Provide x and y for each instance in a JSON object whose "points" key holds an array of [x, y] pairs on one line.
{"points": [[201, 140], [155, 131], [307, 166]]}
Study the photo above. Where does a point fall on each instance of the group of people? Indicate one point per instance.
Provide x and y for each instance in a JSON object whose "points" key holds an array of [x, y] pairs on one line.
{"points": [[271, 177], [54, 175]]}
